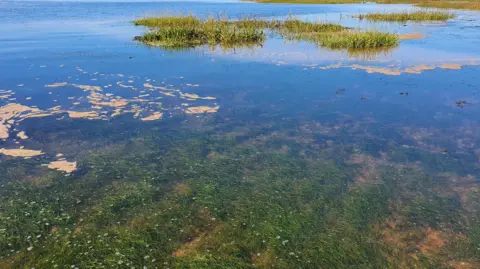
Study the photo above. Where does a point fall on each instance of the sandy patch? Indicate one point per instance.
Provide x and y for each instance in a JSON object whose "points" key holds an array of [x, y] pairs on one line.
{"points": [[451, 66], [85, 114], [88, 87], [202, 109], [55, 85], [432, 243], [194, 96], [418, 69], [64, 166], [27, 153], [375, 69], [154, 116], [411, 36], [22, 135]]}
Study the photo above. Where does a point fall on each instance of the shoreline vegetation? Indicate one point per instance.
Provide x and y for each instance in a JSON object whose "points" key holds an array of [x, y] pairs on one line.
{"points": [[189, 31], [446, 4], [408, 16]]}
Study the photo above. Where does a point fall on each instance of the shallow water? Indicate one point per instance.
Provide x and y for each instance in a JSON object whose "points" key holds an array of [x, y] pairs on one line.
{"points": [[286, 128]]}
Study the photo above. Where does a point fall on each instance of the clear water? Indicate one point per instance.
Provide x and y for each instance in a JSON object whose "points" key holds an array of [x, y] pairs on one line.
{"points": [[286, 97]]}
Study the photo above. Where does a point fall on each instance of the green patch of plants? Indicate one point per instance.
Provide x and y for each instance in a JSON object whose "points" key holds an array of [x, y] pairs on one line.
{"points": [[358, 40], [189, 33], [472, 5], [408, 16]]}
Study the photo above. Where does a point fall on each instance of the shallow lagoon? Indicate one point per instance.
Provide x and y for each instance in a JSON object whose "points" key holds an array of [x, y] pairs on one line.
{"points": [[298, 157]]}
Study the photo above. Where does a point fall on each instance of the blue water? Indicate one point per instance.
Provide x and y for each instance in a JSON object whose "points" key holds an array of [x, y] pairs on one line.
{"points": [[282, 82]]}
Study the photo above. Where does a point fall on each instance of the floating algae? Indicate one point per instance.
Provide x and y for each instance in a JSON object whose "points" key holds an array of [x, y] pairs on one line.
{"points": [[26, 153], [63, 165]]}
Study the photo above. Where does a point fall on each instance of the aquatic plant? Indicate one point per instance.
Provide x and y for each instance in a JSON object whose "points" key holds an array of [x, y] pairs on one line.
{"points": [[169, 21], [173, 32], [188, 199], [408, 16], [358, 40], [448, 4], [472, 5], [166, 33]]}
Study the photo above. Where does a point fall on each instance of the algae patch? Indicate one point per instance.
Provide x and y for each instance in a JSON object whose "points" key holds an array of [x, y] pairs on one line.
{"points": [[63, 165], [26, 153]]}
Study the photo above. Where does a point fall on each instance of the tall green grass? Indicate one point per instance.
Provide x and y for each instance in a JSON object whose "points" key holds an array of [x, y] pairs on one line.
{"points": [[188, 31], [451, 4], [358, 40], [408, 16]]}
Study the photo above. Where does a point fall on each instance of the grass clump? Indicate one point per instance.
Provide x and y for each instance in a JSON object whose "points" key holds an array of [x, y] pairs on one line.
{"points": [[408, 16], [188, 32], [184, 21], [185, 32], [451, 5], [358, 40], [296, 26]]}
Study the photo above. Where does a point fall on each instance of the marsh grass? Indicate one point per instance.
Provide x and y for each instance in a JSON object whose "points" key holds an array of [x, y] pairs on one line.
{"points": [[188, 32], [408, 16], [169, 21], [451, 5], [358, 40]]}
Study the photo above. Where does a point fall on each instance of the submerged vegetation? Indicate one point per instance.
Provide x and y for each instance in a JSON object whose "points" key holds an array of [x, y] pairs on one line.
{"points": [[183, 199], [188, 31], [408, 16]]}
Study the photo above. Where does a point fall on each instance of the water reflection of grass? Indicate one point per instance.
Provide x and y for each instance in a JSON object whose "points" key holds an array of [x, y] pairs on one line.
{"points": [[193, 200], [188, 31]]}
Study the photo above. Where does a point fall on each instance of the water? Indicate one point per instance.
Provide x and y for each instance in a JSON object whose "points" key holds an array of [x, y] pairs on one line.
{"points": [[283, 156]]}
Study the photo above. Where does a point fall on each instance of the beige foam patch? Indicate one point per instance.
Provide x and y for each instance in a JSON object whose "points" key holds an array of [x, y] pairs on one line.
{"points": [[411, 36], [63, 165], [22, 135], [202, 109], [154, 116], [55, 85], [21, 152], [84, 114]]}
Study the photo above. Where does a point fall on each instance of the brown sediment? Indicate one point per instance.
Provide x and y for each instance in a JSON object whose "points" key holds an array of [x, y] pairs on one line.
{"points": [[150, 86], [85, 114], [418, 69], [396, 71], [194, 96], [117, 112], [202, 109], [432, 243], [22, 135], [451, 66], [168, 94], [411, 36], [8, 113], [55, 85], [5, 96], [88, 87], [27, 153], [464, 264], [63, 165], [154, 116], [375, 69]]}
